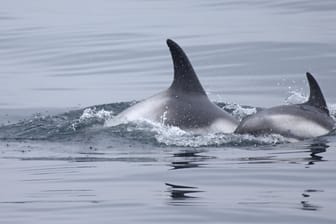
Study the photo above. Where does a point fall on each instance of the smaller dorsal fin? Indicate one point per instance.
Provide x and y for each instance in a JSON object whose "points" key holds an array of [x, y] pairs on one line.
{"points": [[185, 78], [316, 97]]}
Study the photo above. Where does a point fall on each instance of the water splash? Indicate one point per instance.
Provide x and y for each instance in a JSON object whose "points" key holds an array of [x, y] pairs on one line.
{"points": [[171, 138], [239, 111], [174, 136], [295, 97], [101, 123], [92, 113]]}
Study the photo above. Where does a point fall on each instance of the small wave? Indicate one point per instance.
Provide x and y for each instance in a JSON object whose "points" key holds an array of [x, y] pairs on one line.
{"points": [[171, 138], [62, 126]]}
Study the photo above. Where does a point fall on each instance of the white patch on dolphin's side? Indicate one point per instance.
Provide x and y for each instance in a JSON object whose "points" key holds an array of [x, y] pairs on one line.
{"points": [[297, 125], [218, 126], [148, 109], [222, 125]]}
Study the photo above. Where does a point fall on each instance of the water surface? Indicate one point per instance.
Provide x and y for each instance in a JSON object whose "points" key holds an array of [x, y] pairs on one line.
{"points": [[67, 67]]}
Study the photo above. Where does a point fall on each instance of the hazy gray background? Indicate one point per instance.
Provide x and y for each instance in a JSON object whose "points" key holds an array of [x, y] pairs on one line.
{"points": [[80, 53]]}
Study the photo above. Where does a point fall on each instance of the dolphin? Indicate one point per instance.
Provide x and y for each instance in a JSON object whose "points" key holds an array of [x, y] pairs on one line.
{"points": [[184, 104], [296, 122]]}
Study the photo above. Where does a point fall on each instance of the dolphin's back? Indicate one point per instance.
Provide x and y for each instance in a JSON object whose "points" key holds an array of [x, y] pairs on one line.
{"points": [[193, 112]]}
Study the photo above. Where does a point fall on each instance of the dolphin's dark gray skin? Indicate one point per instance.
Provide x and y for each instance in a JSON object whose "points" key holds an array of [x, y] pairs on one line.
{"points": [[184, 104], [297, 121]]}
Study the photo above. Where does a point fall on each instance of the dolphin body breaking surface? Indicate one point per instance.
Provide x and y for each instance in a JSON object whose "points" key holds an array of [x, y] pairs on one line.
{"points": [[184, 104], [297, 121]]}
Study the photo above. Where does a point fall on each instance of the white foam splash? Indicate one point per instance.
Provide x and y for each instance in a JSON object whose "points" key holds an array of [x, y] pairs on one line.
{"points": [[90, 113], [295, 97], [239, 111], [332, 110], [174, 136], [171, 138]]}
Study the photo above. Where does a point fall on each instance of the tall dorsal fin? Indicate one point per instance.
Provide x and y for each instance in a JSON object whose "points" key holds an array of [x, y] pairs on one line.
{"points": [[185, 78], [316, 97]]}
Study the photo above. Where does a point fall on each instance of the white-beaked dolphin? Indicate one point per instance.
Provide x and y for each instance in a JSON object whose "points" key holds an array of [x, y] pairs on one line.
{"points": [[297, 121], [184, 104]]}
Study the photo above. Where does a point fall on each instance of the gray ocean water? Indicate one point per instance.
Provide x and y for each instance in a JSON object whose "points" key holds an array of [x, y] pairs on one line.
{"points": [[68, 67]]}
